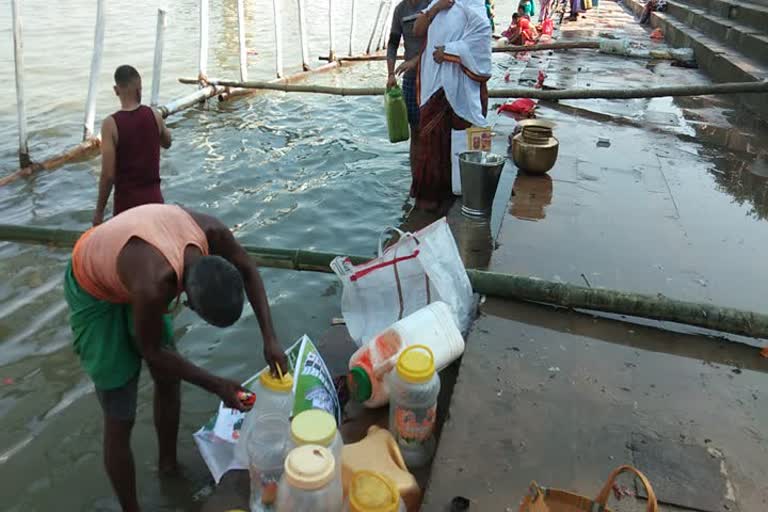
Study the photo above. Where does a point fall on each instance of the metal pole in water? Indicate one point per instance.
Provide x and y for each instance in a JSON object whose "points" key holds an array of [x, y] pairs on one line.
{"points": [[203, 68], [241, 37], [375, 26], [21, 110], [98, 46], [303, 36], [331, 51], [278, 38], [157, 65], [352, 27]]}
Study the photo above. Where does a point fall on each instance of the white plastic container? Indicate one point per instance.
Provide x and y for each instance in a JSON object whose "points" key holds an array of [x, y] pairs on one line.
{"points": [[432, 326], [310, 482], [266, 445], [273, 395], [373, 492], [414, 386], [318, 427]]}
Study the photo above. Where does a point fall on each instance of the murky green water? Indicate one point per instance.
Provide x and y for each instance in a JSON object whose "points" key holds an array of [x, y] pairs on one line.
{"points": [[315, 172]]}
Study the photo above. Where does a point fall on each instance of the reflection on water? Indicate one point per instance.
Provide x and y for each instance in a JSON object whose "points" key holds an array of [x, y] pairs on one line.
{"points": [[474, 240], [533, 193]]}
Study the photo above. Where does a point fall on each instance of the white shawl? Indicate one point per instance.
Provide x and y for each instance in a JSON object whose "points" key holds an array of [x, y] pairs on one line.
{"points": [[465, 31]]}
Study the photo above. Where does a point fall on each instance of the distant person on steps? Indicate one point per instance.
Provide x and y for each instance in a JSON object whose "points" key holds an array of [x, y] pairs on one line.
{"points": [[130, 149]]}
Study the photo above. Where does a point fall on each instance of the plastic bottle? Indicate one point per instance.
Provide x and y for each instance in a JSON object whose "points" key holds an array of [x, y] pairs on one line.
{"points": [[373, 492], [318, 427], [273, 395], [414, 387], [432, 326], [310, 482], [266, 443], [397, 115]]}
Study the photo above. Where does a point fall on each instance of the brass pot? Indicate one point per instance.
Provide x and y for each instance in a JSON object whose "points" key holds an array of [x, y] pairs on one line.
{"points": [[534, 158]]}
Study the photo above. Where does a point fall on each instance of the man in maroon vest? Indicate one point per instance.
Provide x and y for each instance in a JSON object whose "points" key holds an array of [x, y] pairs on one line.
{"points": [[130, 149]]}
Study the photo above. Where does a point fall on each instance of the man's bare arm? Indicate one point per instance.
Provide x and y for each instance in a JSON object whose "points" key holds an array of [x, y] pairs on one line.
{"points": [[165, 133], [107, 178]]}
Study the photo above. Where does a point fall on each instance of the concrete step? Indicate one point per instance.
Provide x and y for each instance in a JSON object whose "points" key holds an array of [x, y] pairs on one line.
{"points": [[750, 41], [745, 13]]}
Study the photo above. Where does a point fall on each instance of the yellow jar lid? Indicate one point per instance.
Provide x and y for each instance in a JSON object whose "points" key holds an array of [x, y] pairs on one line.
{"points": [[416, 364], [281, 384], [314, 426], [373, 492], [309, 467]]}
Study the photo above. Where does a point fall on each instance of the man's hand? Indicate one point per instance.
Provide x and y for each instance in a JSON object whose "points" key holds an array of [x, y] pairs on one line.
{"points": [[228, 391], [405, 67], [439, 54], [98, 217], [444, 5], [391, 81], [274, 355]]}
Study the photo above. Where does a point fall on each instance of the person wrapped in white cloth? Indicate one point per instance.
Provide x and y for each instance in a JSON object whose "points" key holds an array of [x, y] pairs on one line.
{"points": [[454, 68]]}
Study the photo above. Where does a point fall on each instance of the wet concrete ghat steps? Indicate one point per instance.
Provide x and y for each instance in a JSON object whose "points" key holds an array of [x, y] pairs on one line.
{"points": [[730, 40]]}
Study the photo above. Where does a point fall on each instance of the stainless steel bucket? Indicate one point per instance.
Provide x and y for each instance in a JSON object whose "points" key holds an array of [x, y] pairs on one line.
{"points": [[480, 173]]}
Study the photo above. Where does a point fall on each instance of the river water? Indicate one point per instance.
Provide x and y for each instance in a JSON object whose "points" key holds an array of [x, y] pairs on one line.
{"points": [[307, 171]]}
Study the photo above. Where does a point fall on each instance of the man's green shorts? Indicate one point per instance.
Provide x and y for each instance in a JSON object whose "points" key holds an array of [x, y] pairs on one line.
{"points": [[104, 336]]}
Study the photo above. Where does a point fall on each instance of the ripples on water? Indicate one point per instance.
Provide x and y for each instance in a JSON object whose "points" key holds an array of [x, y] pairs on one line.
{"points": [[315, 172]]}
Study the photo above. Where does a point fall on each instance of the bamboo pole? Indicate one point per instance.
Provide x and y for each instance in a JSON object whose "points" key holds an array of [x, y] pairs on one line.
{"points": [[189, 100], [241, 41], [375, 26], [361, 58], [158, 60], [18, 59], [521, 92], [569, 45], [98, 47], [656, 307], [85, 149], [278, 22], [303, 36], [352, 27], [385, 25], [331, 32], [203, 41]]}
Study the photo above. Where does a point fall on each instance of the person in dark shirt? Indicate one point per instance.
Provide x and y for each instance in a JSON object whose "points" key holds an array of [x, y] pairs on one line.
{"points": [[130, 149], [403, 19]]}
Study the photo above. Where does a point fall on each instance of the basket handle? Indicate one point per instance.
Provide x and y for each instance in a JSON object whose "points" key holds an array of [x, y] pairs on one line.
{"points": [[602, 498]]}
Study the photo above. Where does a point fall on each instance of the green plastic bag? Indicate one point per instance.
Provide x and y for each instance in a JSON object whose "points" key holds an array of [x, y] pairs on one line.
{"points": [[397, 115]]}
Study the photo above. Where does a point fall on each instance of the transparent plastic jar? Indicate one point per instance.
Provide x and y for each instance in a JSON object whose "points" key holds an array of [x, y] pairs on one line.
{"points": [[413, 387], [373, 492], [310, 482], [273, 395], [318, 427], [266, 444]]}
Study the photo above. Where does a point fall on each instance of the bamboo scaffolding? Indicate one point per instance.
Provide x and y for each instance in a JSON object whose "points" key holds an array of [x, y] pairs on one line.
{"points": [[384, 26], [157, 63], [352, 20], [520, 92], [203, 40], [655, 307], [85, 149], [98, 49], [278, 22], [569, 45], [331, 33], [241, 46], [361, 58], [18, 59], [375, 26], [303, 36]]}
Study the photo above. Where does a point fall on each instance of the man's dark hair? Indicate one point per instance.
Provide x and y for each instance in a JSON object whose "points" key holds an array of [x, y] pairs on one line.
{"points": [[126, 74], [215, 290]]}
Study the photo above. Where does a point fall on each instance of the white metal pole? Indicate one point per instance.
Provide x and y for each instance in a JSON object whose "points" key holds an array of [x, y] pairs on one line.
{"points": [[278, 38], [241, 37], [203, 68], [331, 50], [303, 36], [352, 28], [21, 110], [157, 65], [98, 47], [385, 25], [375, 26]]}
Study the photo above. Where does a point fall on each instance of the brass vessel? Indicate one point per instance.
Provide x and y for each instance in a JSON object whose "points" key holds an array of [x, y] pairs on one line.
{"points": [[534, 149]]}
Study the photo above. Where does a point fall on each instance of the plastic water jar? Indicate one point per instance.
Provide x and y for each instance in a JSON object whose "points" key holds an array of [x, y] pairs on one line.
{"points": [[273, 395], [310, 482], [373, 492], [432, 326], [318, 427], [266, 443], [414, 386]]}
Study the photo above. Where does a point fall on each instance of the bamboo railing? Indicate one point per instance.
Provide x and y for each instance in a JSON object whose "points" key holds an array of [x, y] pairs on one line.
{"points": [[508, 286]]}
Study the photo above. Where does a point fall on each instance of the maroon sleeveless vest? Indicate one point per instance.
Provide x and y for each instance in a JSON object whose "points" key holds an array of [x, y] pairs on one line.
{"points": [[137, 165]]}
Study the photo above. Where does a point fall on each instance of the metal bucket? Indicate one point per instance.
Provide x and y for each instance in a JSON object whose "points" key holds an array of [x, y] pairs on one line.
{"points": [[480, 173]]}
